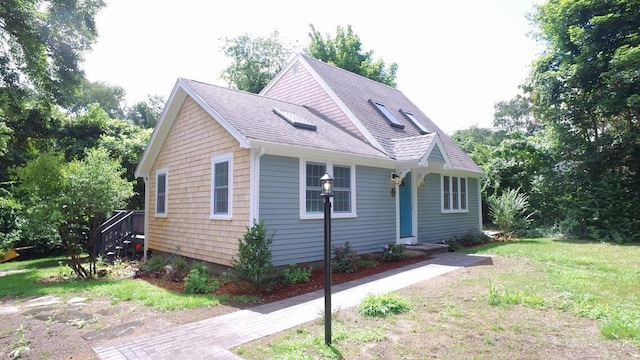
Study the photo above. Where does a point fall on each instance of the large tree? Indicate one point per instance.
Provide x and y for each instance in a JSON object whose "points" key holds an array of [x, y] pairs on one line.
{"points": [[255, 61], [586, 88], [345, 51], [146, 113], [110, 97], [42, 43]]}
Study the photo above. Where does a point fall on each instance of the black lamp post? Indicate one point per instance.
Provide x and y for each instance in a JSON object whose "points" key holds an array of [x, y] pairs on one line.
{"points": [[326, 181]]}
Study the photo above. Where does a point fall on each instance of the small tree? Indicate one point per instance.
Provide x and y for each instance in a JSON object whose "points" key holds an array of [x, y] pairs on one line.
{"points": [[509, 211], [254, 256], [72, 199]]}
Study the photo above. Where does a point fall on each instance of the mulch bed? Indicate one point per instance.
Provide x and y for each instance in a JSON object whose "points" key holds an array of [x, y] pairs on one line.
{"points": [[285, 291]]}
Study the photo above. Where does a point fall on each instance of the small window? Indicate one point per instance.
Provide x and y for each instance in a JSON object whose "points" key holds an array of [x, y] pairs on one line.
{"points": [[454, 194], [393, 121], [221, 186], [418, 124], [161, 192]]}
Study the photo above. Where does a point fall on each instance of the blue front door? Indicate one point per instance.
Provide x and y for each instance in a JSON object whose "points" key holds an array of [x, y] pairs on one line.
{"points": [[406, 215]]}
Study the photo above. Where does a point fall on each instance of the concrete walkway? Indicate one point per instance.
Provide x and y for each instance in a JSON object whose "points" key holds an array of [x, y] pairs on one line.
{"points": [[211, 338]]}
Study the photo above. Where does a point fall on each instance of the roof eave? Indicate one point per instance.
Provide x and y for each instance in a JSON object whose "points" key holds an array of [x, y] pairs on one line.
{"points": [[177, 97]]}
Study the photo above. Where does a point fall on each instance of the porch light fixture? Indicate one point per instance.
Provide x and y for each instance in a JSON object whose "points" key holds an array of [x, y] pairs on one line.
{"points": [[395, 179], [326, 182]]}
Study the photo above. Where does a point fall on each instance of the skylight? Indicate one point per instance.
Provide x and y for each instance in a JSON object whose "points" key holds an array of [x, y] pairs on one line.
{"points": [[295, 119], [418, 124], [393, 121]]}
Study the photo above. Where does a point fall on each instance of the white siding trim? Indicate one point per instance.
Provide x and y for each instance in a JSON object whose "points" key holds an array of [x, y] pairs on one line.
{"points": [[165, 172], [453, 211], [217, 160], [254, 184], [479, 203]]}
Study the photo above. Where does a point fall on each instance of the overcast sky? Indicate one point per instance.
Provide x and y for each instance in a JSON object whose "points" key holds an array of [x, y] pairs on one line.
{"points": [[456, 59]]}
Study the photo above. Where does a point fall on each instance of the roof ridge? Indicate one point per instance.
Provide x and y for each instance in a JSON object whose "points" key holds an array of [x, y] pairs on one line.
{"points": [[351, 73], [244, 92], [435, 133]]}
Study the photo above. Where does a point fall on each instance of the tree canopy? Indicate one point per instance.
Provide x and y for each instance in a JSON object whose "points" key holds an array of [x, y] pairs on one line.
{"points": [[255, 61], [586, 88], [345, 51], [42, 44]]}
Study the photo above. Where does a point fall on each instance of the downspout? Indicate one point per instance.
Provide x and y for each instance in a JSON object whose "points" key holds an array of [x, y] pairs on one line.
{"points": [[146, 218], [255, 186]]}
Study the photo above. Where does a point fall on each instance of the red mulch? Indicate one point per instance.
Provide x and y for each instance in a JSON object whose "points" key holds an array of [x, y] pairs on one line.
{"points": [[284, 291]]}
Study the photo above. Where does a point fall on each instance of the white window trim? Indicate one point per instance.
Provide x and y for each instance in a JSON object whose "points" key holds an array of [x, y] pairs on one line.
{"points": [[303, 191], [450, 211], [216, 160], [165, 172]]}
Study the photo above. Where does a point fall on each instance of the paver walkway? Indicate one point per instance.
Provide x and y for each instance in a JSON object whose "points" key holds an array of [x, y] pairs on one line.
{"points": [[211, 338]]}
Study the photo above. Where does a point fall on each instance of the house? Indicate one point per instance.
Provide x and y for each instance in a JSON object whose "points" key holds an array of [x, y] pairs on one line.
{"points": [[219, 159]]}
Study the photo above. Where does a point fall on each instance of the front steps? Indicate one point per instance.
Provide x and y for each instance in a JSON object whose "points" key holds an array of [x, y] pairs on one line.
{"points": [[428, 248]]}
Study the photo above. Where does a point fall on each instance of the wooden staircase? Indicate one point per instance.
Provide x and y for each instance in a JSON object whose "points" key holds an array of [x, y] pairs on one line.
{"points": [[122, 236]]}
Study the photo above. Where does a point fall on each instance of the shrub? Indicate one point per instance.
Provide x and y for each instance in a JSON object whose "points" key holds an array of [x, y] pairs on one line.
{"points": [[295, 274], [509, 211], [179, 264], [253, 263], [393, 252], [345, 259], [366, 263], [383, 305], [197, 282], [470, 239], [154, 263]]}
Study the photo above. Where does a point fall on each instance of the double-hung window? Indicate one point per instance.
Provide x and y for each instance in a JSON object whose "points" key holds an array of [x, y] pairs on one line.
{"points": [[162, 185], [343, 200], [221, 186], [454, 194]]}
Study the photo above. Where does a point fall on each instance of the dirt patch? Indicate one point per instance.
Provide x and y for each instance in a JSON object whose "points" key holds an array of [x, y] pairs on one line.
{"points": [[60, 329], [451, 318]]}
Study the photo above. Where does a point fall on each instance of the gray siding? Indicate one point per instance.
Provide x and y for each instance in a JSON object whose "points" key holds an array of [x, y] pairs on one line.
{"points": [[436, 155], [436, 226], [298, 241]]}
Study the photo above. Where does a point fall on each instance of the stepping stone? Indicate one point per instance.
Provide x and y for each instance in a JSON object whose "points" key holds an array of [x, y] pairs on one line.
{"points": [[112, 331]]}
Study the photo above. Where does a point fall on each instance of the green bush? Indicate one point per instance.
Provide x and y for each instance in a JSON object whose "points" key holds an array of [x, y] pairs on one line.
{"points": [[253, 263], [468, 240], [393, 252], [345, 259], [295, 274], [509, 211], [179, 264], [383, 305], [154, 263], [197, 282]]}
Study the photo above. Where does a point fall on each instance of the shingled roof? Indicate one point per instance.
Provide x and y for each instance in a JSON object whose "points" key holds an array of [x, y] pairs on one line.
{"points": [[254, 117], [258, 119], [357, 92]]}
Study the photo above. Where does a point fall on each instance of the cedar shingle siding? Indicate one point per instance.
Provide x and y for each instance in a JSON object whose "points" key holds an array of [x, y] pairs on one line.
{"points": [[186, 153]]}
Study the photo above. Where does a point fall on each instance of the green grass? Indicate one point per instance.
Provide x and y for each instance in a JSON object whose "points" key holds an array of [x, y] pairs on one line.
{"points": [[383, 305], [29, 283], [594, 280]]}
